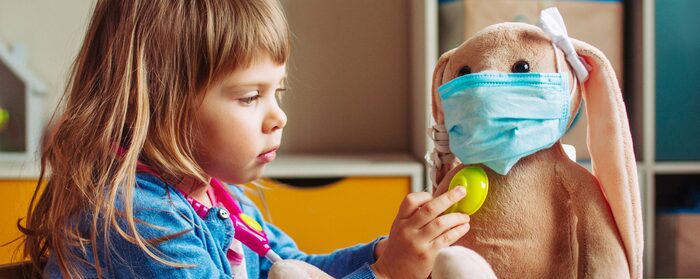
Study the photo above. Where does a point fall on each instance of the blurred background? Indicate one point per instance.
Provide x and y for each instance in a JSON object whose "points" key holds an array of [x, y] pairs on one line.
{"points": [[359, 106]]}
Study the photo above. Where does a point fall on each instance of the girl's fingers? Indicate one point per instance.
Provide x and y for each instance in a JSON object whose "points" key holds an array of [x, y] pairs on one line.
{"points": [[450, 237], [443, 223], [428, 211], [412, 202], [445, 182]]}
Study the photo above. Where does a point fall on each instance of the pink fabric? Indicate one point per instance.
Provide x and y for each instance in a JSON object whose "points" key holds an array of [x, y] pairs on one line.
{"points": [[234, 257], [212, 197]]}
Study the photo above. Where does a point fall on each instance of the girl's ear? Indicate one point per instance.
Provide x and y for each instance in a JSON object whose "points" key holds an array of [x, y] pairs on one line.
{"points": [[437, 81], [612, 155]]}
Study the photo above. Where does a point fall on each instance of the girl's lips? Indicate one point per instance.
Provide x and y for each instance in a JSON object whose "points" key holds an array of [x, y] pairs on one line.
{"points": [[268, 156]]}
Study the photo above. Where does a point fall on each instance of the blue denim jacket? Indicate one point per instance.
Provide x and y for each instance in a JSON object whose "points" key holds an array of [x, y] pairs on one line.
{"points": [[205, 242]]}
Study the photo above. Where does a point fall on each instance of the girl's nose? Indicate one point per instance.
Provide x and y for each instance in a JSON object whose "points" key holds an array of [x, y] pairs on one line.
{"points": [[276, 120]]}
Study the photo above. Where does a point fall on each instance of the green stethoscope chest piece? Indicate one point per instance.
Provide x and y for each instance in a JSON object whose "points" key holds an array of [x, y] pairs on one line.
{"points": [[475, 181]]}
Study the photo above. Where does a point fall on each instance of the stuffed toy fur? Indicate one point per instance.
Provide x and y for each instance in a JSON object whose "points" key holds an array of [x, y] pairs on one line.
{"points": [[548, 217]]}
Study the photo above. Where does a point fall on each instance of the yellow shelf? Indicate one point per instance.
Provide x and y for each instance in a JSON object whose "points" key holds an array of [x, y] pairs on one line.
{"points": [[18, 194], [321, 219], [343, 165]]}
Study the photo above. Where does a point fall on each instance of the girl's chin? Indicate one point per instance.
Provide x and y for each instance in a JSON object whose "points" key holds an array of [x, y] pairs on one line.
{"points": [[250, 174], [245, 173]]}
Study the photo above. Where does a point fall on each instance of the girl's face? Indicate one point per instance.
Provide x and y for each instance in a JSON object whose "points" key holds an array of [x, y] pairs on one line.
{"points": [[240, 122]]}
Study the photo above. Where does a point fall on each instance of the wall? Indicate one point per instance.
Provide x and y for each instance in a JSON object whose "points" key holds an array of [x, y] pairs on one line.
{"points": [[349, 87]]}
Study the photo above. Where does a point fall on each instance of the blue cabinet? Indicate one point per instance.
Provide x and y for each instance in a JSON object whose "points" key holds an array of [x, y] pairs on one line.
{"points": [[677, 80]]}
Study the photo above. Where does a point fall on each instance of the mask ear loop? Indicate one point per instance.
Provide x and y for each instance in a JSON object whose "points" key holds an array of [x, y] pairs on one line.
{"points": [[441, 156], [575, 84]]}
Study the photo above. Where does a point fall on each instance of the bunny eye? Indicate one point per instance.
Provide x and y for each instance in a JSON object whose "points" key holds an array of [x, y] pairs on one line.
{"points": [[521, 66], [464, 71]]}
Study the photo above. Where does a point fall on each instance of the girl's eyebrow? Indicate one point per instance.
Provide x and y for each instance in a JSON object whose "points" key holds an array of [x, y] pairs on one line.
{"points": [[249, 86], [238, 89], [241, 86], [254, 84]]}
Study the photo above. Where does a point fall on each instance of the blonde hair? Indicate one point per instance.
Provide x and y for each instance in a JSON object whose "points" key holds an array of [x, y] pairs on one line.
{"points": [[136, 84]]}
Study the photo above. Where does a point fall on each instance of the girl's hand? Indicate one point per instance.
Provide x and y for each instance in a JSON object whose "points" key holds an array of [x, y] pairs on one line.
{"points": [[418, 233]]}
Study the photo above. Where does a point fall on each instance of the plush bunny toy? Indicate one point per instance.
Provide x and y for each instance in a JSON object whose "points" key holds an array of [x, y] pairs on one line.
{"points": [[501, 101]]}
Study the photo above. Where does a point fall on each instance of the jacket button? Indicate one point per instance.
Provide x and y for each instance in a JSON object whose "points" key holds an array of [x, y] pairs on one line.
{"points": [[223, 214]]}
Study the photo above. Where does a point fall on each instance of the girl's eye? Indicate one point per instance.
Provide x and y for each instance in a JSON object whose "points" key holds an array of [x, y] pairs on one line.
{"points": [[249, 100]]}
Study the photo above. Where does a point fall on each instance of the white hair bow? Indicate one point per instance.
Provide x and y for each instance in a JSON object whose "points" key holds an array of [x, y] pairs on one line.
{"points": [[553, 26]]}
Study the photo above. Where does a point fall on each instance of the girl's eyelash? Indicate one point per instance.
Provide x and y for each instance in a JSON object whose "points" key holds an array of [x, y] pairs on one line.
{"points": [[249, 100]]}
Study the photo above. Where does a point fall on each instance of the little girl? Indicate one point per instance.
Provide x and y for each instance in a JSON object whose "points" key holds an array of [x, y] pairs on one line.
{"points": [[166, 100]]}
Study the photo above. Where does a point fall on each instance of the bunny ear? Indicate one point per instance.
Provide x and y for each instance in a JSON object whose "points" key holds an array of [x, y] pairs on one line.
{"points": [[439, 159], [612, 156], [437, 81]]}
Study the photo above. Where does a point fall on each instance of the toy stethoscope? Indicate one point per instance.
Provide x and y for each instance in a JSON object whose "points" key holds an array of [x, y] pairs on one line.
{"points": [[247, 230], [476, 182]]}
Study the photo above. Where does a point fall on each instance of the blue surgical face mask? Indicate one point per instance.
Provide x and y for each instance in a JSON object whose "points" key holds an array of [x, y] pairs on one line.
{"points": [[498, 118]]}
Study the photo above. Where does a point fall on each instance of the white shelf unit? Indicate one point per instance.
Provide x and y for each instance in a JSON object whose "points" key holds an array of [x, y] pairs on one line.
{"points": [[19, 170], [646, 86]]}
